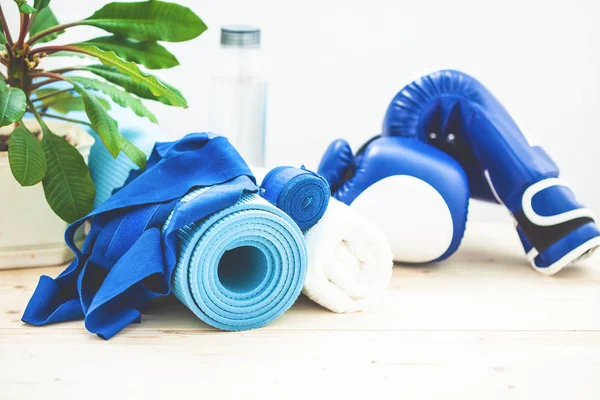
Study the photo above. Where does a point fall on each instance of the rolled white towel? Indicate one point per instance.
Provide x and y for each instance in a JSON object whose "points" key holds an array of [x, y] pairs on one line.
{"points": [[349, 260]]}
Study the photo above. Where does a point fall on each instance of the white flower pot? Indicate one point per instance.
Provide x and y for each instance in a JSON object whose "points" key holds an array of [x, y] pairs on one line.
{"points": [[31, 235]]}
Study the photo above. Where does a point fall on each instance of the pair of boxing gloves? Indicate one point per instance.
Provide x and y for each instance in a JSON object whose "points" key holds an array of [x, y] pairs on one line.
{"points": [[446, 139]]}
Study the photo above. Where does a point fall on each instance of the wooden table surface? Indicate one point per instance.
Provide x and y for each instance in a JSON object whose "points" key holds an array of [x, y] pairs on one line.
{"points": [[482, 325]]}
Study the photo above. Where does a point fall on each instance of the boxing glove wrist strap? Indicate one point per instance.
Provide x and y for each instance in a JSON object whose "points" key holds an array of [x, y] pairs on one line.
{"points": [[544, 235], [550, 220]]}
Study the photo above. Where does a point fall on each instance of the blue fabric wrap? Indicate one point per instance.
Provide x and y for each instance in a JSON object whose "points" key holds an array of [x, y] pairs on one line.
{"points": [[300, 193], [128, 257], [241, 267]]}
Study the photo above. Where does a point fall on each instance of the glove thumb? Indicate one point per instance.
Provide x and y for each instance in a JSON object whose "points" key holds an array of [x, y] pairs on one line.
{"points": [[337, 164]]}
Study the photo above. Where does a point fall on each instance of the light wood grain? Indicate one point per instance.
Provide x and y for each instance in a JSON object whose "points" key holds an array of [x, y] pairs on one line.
{"points": [[480, 325]]}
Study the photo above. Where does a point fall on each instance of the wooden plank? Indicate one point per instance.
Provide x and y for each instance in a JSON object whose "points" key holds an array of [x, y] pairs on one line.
{"points": [[480, 325], [295, 364]]}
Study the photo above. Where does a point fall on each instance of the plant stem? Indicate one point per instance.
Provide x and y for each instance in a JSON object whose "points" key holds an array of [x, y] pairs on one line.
{"points": [[19, 45], [35, 113], [21, 20], [75, 121], [24, 29], [52, 78], [40, 84], [63, 70], [48, 75], [32, 20], [23, 71], [52, 94], [50, 49], [52, 30], [6, 30]]}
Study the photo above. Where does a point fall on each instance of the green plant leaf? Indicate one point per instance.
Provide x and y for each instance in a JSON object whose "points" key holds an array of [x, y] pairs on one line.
{"points": [[2, 38], [64, 105], [3, 85], [119, 96], [24, 7], [150, 54], [62, 101], [66, 102], [104, 125], [44, 19], [68, 187], [26, 157], [40, 4], [148, 20], [113, 75], [131, 69], [45, 91], [135, 154], [12, 105]]}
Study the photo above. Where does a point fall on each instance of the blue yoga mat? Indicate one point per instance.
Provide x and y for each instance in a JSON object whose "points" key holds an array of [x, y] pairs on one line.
{"points": [[301, 194], [241, 267]]}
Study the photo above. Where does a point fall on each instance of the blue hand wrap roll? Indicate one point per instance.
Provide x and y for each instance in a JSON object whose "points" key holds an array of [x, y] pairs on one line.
{"points": [[241, 267], [301, 194]]}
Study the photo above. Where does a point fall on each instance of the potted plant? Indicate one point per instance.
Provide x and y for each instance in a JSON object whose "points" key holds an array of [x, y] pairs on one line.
{"points": [[48, 158]]}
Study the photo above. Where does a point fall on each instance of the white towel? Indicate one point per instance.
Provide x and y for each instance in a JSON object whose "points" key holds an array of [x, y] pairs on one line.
{"points": [[349, 260]]}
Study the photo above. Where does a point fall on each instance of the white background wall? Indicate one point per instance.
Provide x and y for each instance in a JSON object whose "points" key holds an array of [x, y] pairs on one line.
{"points": [[335, 65]]}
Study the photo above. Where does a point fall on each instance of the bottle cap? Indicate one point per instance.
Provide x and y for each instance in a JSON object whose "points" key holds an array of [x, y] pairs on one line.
{"points": [[240, 36]]}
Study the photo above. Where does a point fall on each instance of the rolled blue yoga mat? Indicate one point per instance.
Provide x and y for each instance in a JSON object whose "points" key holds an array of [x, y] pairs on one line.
{"points": [[241, 267], [301, 194]]}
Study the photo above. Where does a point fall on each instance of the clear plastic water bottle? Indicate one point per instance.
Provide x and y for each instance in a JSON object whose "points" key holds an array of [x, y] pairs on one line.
{"points": [[238, 92]]}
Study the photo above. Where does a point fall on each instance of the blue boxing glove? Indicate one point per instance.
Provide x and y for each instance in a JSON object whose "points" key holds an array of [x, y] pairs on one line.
{"points": [[416, 194], [455, 113]]}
